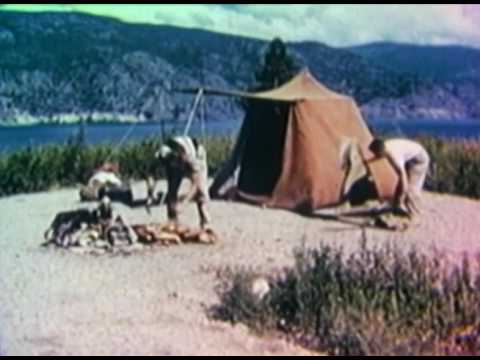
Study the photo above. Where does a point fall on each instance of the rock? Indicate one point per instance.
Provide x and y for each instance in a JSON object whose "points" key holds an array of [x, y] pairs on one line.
{"points": [[260, 288]]}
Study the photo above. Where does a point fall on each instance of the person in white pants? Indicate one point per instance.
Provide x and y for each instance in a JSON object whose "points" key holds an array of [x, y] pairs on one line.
{"points": [[411, 162]]}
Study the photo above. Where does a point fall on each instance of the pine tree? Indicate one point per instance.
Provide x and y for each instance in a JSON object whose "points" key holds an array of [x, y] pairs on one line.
{"points": [[277, 68]]}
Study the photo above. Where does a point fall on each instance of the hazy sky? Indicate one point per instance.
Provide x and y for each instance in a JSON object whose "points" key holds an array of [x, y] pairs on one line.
{"points": [[337, 25]]}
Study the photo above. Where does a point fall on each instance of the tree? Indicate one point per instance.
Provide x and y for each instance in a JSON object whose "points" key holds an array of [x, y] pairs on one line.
{"points": [[277, 68]]}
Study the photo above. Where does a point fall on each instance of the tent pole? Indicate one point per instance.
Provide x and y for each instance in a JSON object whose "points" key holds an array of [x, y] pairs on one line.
{"points": [[202, 118], [192, 112], [162, 129], [162, 119]]}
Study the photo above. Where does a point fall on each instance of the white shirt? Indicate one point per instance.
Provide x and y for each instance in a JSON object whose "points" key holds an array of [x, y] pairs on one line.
{"points": [[405, 151], [105, 178]]}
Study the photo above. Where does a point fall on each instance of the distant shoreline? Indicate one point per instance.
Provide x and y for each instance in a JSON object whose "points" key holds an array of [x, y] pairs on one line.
{"points": [[14, 138], [103, 123], [174, 122], [78, 123]]}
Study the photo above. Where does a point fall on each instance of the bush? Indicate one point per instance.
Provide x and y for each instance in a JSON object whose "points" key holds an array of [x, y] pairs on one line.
{"points": [[40, 169], [375, 302], [455, 166]]}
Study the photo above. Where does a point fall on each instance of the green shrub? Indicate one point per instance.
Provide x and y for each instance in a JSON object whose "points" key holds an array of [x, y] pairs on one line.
{"points": [[455, 166], [374, 302], [40, 169]]}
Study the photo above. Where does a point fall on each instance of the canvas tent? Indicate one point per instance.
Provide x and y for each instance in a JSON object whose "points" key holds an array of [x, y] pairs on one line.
{"points": [[287, 153]]}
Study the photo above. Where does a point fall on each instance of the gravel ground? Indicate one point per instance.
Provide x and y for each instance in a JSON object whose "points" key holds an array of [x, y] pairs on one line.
{"points": [[154, 302]]}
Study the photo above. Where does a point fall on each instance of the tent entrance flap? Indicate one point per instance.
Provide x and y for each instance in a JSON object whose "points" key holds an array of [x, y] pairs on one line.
{"points": [[262, 160]]}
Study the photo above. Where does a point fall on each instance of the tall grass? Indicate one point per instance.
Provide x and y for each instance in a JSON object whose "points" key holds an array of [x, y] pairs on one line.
{"points": [[39, 169], [377, 301], [455, 164]]}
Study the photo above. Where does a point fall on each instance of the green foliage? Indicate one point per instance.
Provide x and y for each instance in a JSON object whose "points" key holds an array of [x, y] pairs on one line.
{"points": [[40, 169], [277, 68], [218, 150], [378, 301], [455, 166]]}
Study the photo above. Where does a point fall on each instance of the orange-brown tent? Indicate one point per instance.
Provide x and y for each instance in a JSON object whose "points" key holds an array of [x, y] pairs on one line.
{"points": [[289, 152]]}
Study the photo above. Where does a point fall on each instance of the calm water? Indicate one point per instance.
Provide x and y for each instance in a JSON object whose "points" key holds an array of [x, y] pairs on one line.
{"points": [[14, 138], [466, 129]]}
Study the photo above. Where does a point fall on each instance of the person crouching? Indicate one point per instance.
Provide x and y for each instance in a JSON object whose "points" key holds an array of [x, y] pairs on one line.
{"points": [[183, 157], [411, 163]]}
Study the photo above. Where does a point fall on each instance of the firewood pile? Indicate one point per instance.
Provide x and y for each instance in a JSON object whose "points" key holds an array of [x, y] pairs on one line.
{"points": [[98, 231], [86, 232], [173, 234]]}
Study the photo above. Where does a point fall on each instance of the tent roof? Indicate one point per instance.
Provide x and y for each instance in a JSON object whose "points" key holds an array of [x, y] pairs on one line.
{"points": [[302, 87]]}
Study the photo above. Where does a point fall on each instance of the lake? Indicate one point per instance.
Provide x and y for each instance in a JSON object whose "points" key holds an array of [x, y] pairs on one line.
{"points": [[13, 138]]}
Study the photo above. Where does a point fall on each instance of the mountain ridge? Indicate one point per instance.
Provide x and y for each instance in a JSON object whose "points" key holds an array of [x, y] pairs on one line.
{"points": [[60, 65]]}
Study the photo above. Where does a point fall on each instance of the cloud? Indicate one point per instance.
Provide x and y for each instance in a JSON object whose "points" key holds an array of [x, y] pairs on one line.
{"points": [[34, 8], [353, 24], [337, 25]]}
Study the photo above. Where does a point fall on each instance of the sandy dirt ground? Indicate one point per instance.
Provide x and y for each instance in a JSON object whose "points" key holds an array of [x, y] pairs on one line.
{"points": [[155, 302]]}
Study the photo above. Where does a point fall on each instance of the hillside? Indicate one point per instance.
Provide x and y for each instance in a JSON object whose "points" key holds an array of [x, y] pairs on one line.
{"points": [[455, 71], [442, 63], [56, 64]]}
